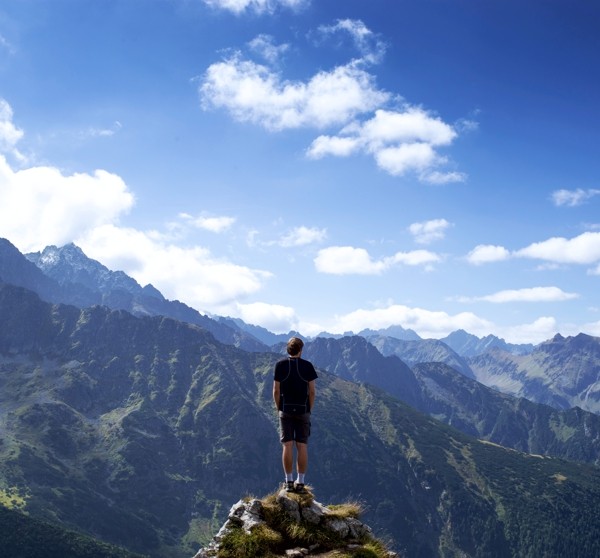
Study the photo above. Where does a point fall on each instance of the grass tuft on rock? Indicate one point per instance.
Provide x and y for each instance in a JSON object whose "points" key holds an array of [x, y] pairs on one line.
{"points": [[262, 541], [344, 511]]}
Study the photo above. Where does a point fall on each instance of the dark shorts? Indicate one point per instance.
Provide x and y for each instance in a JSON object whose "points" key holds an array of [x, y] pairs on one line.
{"points": [[294, 428]]}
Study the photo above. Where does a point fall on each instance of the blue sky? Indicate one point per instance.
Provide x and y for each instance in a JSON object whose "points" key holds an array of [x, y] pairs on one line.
{"points": [[316, 164]]}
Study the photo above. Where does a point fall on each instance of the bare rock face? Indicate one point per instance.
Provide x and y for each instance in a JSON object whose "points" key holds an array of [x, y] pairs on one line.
{"points": [[248, 515]]}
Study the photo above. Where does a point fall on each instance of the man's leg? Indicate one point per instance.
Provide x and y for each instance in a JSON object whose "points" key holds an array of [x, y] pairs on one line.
{"points": [[287, 458], [301, 464], [301, 458]]}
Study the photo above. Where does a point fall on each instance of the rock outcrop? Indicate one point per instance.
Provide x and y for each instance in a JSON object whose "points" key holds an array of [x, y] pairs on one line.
{"points": [[293, 526]]}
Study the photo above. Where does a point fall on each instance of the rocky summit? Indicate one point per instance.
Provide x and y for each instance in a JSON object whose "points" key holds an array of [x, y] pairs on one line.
{"points": [[293, 525]]}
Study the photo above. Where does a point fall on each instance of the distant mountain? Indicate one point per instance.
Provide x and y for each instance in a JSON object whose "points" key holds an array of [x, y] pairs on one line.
{"points": [[444, 393], [94, 282], [67, 275], [562, 372], [424, 350], [142, 431], [513, 422], [396, 331], [17, 270], [357, 360], [468, 345], [263, 335], [326, 335]]}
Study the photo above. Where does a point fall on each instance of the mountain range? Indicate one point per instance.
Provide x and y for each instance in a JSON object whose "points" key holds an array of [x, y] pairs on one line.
{"points": [[67, 275], [562, 372], [141, 428]]}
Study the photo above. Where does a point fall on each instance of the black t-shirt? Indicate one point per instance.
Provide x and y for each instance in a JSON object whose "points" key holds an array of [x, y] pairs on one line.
{"points": [[293, 375]]}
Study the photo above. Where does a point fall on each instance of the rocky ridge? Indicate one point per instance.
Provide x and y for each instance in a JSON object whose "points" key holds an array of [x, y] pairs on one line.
{"points": [[293, 526]]}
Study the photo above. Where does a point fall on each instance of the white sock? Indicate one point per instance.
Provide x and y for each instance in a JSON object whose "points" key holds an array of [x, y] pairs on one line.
{"points": [[300, 479], [289, 477]]}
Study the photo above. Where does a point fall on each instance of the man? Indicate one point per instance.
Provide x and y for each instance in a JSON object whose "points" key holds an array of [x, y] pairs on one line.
{"points": [[294, 397]]}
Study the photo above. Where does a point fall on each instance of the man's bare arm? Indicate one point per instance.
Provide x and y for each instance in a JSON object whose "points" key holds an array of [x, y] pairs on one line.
{"points": [[276, 392], [311, 394]]}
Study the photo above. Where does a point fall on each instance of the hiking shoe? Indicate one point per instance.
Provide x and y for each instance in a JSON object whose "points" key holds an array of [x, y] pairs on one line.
{"points": [[289, 486], [300, 488]]}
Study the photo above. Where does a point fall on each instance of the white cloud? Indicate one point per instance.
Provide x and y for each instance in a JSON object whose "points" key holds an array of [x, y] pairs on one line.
{"points": [[398, 160], [415, 257], [274, 317], [572, 198], [4, 43], [399, 142], [40, 205], [429, 231], [212, 224], [437, 177], [265, 46], [179, 228], [413, 125], [486, 253], [102, 132], [592, 328], [438, 324], [467, 124], [192, 275], [582, 249], [333, 145], [540, 330], [370, 46], [9, 133], [259, 6], [301, 236], [533, 294], [347, 260], [426, 323], [253, 93]]}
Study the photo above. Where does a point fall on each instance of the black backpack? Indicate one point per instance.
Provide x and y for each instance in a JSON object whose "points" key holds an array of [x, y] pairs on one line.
{"points": [[296, 404]]}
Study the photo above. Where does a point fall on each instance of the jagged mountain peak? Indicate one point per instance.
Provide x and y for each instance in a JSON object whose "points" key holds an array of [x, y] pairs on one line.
{"points": [[15, 269], [66, 275], [424, 350], [72, 252], [69, 264], [562, 372], [396, 331], [51, 255], [579, 339], [7, 246], [577, 343], [469, 345]]}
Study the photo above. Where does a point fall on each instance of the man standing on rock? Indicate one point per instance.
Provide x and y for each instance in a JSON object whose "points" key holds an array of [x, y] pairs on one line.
{"points": [[294, 396]]}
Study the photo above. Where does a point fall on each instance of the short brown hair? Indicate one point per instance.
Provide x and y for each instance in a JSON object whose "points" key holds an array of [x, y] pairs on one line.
{"points": [[294, 346]]}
